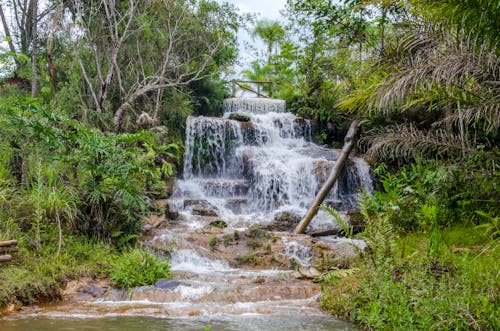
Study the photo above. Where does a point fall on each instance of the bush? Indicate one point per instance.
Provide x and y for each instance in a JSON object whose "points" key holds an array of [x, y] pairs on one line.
{"points": [[138, 268], [57, 170]]}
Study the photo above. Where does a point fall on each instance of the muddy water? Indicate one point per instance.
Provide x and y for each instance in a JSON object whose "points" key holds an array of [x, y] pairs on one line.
{"points": [[141, 323]]}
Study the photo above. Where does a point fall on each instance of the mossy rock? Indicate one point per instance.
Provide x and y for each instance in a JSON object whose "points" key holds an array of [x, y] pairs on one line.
{"points": [[219, 224], [239, 117]]}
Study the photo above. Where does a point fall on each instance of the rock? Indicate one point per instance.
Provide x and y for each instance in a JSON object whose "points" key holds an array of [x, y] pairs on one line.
{"points": [[306, 273], [153, 222], [166, 284], [239, 117], [170, 214], [196, 202], [284, 221], [236, 205], [202, 211], [95, 291], [170, 186], [356, 221]]}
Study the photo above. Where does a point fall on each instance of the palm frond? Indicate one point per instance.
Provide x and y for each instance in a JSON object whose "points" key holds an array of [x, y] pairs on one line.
{"points": [[409, 142]]}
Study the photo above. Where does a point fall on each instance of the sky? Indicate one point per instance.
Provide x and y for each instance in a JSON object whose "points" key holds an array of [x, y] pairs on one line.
{"points": [[267, 8], [264, 9]]}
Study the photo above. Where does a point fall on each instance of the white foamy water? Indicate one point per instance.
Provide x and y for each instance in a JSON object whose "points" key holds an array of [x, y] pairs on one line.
{"points": [[243, 172], [188, 260]]}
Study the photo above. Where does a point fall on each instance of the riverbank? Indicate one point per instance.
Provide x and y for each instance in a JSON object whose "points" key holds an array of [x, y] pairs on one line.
{"points": [[399, 286], [35, 277]]}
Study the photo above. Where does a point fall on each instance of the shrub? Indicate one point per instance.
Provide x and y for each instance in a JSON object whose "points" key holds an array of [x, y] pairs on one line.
{"points": [[138, 268]]}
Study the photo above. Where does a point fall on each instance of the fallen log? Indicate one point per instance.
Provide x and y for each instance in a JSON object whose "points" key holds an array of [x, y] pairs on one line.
{"points": [[9, 249], [334, 175], [8, 243], [324, 233], [5, 258]]}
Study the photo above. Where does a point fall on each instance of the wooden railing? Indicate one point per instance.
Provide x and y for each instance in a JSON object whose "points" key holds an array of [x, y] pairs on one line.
{"points": [[7, 247], [243, 84]]}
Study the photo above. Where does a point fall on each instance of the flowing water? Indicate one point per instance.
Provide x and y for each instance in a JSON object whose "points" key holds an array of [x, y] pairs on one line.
{"points": [[246, 172], [240, 173]]}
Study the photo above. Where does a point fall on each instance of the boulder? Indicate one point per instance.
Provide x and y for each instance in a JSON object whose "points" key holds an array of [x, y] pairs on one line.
{"points": [[284, 221]]}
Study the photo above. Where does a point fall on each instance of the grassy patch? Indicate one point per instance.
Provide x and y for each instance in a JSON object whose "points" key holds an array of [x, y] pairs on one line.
{"points": [[33, 276], [407, 289], [39, 276]]}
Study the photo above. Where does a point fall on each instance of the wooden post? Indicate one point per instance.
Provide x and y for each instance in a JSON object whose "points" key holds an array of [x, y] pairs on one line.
{"points": [[334, 175], [9, 249], [5, 258], [8, 243]]}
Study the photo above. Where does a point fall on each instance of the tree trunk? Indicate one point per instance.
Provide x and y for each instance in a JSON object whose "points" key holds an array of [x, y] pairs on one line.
{"points": [[8, 37], [382, 30], [34, 52], [334, 175]]}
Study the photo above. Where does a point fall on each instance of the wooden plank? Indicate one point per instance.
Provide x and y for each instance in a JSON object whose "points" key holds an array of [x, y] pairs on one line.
{"points": [[5, 258], [8, 243], [9, 249]]}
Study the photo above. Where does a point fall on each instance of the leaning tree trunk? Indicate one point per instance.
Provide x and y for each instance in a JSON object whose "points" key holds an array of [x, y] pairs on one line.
{"points": [[334, 175]]}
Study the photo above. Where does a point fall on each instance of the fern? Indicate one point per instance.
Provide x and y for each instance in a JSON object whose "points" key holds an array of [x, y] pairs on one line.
{"points": [[346, 228], [332, 276]]}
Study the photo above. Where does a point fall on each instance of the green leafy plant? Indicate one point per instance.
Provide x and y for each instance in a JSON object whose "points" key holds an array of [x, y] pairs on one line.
{"points": [[346, 228], [137, 268]]}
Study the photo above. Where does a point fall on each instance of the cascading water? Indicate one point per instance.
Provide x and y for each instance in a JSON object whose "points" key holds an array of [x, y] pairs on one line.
{"points": [[243, 172]]}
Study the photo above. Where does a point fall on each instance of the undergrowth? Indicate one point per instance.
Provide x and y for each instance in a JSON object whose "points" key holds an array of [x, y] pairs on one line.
{"points": [[431, 264]]}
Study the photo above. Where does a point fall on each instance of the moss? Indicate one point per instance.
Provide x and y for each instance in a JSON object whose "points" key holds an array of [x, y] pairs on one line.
{"points": [[239, 117]]}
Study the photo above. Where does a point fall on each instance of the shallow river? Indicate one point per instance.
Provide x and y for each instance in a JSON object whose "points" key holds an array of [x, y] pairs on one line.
{"points": [[140, 323]]}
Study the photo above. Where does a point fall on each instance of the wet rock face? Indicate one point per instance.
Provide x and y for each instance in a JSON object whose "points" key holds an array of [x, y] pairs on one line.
{"points": [[261, 157], [284, 221], [166, 284]]}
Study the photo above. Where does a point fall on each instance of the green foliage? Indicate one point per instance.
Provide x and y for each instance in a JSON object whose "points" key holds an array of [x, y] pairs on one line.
{"points": [[408, 289], [427, 265], [346, 228], [60, 171], [138, 268], [420, 196]]}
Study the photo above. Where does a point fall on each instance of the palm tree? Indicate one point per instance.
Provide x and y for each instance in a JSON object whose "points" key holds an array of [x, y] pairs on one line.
{"points": [[271, 32], [450, 70]]}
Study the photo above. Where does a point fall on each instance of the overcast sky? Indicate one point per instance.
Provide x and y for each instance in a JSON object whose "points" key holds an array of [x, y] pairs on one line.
{"points": [[264, 9]]}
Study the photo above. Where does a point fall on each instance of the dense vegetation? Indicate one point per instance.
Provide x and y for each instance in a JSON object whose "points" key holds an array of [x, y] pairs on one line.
{"points": [[91, 120], [424, 78], [94, 100]]}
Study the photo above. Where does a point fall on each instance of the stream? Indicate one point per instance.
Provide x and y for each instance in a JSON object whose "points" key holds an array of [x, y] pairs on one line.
{"points": [[227, 230]]}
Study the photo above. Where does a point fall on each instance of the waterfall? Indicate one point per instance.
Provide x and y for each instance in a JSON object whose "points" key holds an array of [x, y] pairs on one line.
{"points": [[245, 171]]}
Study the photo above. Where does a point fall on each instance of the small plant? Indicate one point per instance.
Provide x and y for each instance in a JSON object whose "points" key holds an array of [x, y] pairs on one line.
{"points": [[138, 268], [249, 258], [346, 228], [227, 239], [254, 244], [213, 242], [219, 224]]}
